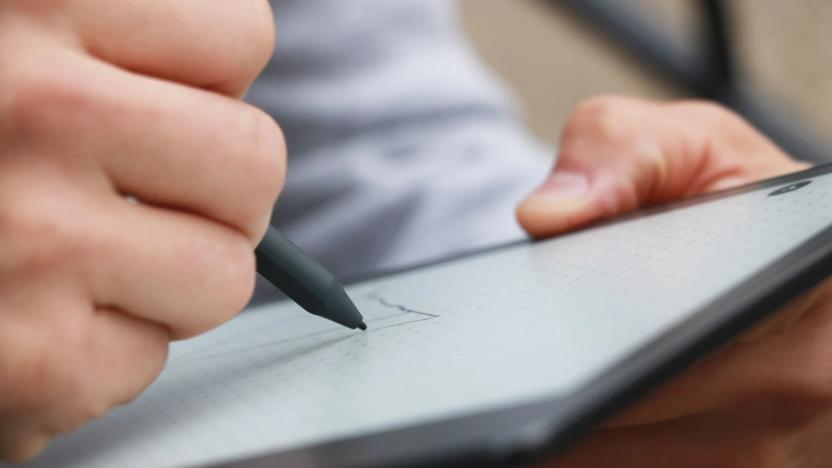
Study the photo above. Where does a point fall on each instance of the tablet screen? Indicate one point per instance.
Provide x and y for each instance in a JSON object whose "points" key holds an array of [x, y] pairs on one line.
{"points": [[496, 329]]}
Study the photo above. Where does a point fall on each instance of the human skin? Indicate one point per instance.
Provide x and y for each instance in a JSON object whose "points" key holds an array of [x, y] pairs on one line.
{"points": [[764, 400], [134, 184]]}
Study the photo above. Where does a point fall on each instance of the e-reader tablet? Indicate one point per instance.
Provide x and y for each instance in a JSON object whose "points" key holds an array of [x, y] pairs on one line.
{"points": [[480, 360]]}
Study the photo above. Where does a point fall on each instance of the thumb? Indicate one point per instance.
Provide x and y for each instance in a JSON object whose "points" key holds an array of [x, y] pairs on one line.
{"points": [[617, 154], [571, 198]]}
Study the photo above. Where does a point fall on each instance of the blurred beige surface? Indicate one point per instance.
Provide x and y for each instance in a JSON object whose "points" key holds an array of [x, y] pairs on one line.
{"points": [[784, 50]]}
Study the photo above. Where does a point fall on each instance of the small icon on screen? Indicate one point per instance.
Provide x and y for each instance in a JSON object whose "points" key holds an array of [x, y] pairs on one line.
{"points": [[790, 188]]}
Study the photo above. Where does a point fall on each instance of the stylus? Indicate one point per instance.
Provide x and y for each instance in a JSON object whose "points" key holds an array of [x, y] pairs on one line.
{"points": [[305, 281]]}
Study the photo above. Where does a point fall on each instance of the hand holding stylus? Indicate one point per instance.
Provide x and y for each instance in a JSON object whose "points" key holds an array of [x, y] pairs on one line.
{"points": [[102, 103]]}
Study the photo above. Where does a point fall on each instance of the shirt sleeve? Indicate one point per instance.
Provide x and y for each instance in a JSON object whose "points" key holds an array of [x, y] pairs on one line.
{"points": [[402, 146]]}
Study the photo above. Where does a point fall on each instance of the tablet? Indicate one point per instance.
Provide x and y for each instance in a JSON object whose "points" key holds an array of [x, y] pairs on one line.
{"points": [[481, 360]]}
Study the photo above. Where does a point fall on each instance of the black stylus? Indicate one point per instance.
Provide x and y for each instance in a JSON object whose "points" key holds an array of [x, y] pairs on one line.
{"points": [[305, 281]]}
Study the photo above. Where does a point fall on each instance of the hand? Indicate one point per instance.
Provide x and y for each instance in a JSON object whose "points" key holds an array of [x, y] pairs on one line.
{"points": [[134, 185], [766, 399]]}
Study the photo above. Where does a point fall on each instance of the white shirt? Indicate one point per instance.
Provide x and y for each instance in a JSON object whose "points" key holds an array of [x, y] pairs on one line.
{"points": [[402, 146]]}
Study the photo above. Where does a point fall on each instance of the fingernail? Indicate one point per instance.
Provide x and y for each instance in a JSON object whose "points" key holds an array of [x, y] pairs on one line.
{"points": [[564, 184]]}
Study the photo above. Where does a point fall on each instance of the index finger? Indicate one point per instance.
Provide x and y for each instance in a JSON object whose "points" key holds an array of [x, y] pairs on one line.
{"points": [[214, 44]]}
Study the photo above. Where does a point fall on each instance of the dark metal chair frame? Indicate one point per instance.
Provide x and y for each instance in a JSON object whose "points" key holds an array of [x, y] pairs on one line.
{"points": [[707, 71]]}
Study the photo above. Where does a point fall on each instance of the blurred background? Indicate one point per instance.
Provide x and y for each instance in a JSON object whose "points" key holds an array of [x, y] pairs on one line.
{"points": [[768, 59]]}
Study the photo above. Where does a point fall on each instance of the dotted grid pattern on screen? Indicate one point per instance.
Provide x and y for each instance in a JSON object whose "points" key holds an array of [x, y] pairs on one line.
{"points": [[490, 330]]}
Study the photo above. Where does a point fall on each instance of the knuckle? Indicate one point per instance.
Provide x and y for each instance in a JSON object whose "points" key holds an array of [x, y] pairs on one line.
{"points": [[600, 103], [702, 106], [227, 281], [265, 168], [709, 111], [21, 363], [256, 28], [155, 355], [269, 157], [51, 369], [27, 238], [599, 117], [263, 40], [42, 103], [25, 107], [38, 368], [36, 234], [239, 276]]}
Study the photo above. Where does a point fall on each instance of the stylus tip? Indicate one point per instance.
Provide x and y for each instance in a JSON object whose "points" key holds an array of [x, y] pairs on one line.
{"points": [[363, 326]]}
